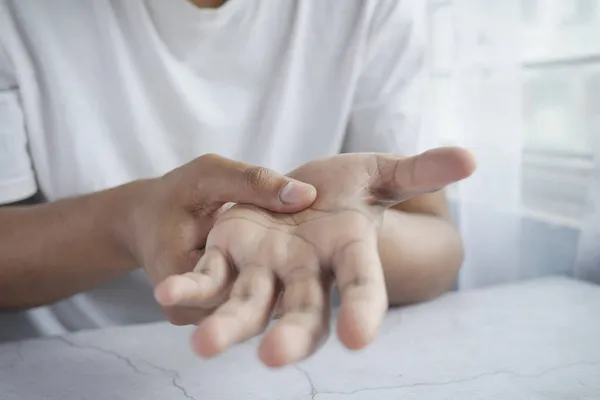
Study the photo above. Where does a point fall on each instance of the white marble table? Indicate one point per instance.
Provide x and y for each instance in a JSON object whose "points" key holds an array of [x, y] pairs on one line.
{"points": [[536, 340]]}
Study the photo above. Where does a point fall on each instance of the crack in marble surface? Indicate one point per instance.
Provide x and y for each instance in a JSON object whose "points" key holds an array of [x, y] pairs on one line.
{"points": [[19, 351], [126, 360], [313, 390], [175, 377], [316, 392], [519, 366], [181, 388]]}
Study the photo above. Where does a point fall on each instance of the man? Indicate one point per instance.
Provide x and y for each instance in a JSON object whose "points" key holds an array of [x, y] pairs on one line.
{"points": [[108, 105]]}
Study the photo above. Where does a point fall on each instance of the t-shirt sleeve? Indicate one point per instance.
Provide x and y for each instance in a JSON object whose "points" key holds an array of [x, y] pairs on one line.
{"points": [[387, 108], [17, 180]]}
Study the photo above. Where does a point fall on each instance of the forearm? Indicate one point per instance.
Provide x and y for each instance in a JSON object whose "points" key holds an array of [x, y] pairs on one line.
{"points": [[421, 256], [54, 250]]}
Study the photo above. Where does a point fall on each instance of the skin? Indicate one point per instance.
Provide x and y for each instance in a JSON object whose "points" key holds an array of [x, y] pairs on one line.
{"points": [[207, 3], [369, 231], [54, 250], [254, 257]]}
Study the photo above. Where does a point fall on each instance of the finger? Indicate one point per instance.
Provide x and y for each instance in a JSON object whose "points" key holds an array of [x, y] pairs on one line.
{"points": [[363, 296], [232, 181], [176, 261], [203, 287], [306, 307], [402, 178], [180, 316], [243, 316]]}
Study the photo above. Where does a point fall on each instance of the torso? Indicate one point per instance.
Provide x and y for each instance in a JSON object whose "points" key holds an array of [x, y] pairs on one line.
{"points": [[114, 91]]}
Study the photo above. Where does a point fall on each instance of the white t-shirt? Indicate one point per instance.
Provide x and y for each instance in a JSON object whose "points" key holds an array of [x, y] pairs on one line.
{"points": [[97, 93]]}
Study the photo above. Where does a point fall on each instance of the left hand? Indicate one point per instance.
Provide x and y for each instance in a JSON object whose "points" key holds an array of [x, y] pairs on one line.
{"points": [[265, 254]]}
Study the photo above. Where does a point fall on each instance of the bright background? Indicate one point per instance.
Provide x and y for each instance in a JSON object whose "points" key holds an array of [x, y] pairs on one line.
{"points": [[518, 82]]}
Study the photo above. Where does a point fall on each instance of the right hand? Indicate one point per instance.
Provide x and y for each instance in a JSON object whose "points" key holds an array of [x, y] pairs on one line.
{"points": [[292, 261], [172, 217]]}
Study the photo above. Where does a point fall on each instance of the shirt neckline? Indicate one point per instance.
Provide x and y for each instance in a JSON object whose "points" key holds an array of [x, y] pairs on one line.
{"points": [[183, 13], [179, 23]]}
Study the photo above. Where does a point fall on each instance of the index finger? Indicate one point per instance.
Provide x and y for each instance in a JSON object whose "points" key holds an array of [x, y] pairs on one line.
{"points": [[204, 287]]}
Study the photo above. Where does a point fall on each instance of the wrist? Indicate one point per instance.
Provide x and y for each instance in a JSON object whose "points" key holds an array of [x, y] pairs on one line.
{"points": [[125, 206]]}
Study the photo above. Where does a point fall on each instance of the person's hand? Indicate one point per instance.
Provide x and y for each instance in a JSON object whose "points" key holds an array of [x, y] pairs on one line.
{"points": [[300, 255], [171, 222]]}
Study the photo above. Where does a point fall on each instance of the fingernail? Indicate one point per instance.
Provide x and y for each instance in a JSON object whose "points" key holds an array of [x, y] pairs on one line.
{"points": [[294, 192], [429, 191], [227, 206]]}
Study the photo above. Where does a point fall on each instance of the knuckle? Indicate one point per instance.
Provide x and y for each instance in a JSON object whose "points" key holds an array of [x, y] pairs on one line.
{"points": [[384, 187], [412, 172], [209, 158], [357, 281], [258, 177], [385, 172]]}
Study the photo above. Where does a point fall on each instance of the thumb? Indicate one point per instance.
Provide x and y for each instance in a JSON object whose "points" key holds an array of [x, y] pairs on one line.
{"points": [[404, 177], [225, 180]]}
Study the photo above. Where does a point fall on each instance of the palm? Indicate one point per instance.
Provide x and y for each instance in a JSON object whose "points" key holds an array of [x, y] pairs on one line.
{"points": [[345, 213], [300, 254], [312, 238]]}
